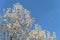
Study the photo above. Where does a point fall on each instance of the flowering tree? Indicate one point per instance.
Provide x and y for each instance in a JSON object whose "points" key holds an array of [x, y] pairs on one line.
{"points": [[17, 24]]}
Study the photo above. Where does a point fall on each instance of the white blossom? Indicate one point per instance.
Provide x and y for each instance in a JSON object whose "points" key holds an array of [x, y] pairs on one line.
{"points": [[17, 23]]}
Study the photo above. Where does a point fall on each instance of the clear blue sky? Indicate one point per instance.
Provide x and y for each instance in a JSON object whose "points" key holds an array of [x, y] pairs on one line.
{"points": [[45, 12]]}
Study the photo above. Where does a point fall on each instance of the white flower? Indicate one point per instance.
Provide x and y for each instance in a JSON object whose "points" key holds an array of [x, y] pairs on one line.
{"points": [[9, 25], [16, 24], [17, 6], [54, 36], [5, 20]]}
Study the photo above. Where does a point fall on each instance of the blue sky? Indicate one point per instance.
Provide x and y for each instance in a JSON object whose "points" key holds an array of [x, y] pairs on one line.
{"points": [[45, 12]]}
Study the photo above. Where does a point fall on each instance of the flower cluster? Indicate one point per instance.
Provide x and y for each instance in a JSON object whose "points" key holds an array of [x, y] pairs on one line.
{"points": [[39, 34], [17, 23]]}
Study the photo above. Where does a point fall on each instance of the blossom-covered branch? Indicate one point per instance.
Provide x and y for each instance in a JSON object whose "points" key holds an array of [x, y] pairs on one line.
{"points": [[17, 23]]}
